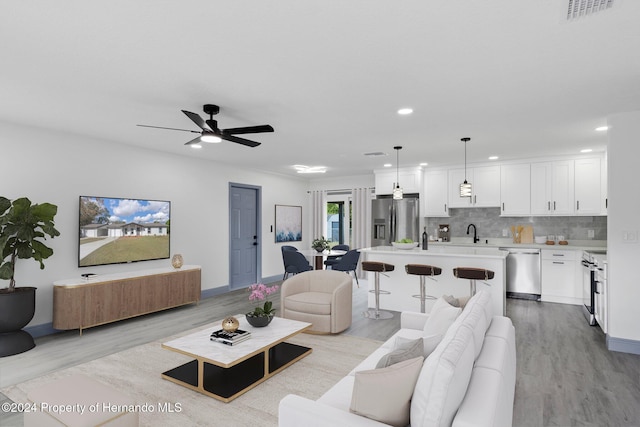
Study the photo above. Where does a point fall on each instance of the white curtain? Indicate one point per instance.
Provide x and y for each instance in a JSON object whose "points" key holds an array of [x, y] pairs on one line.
{"points": [[361, 219], [318, 214]]}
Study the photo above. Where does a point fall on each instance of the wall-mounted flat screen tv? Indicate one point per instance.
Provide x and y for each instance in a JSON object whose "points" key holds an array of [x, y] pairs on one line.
{"points": [[118, 230]]}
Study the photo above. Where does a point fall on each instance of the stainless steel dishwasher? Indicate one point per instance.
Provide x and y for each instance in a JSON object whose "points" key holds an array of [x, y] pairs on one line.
{"points": [[523, 273]]}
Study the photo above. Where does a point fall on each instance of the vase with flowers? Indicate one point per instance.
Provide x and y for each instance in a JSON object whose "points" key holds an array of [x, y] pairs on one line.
{"points": [[261, 315]]}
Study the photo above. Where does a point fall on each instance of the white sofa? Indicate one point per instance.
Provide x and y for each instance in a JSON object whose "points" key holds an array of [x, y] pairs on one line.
{"points": [[467, 380]]}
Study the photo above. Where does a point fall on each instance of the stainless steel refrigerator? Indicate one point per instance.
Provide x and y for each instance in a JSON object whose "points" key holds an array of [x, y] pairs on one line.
{"points": [[393, 220]]}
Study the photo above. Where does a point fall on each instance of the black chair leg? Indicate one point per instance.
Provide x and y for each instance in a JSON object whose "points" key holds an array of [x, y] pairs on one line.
{"points": [[356, 274]]}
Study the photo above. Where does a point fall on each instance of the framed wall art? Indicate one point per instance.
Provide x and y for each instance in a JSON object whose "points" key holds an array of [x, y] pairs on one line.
{"points": [[288, 223]]}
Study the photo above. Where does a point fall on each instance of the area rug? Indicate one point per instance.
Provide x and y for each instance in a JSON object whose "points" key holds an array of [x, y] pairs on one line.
{"points": [[136, 372]]}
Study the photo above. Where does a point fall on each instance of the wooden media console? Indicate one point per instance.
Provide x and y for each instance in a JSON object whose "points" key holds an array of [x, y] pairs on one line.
{"points": [[82, 303]]}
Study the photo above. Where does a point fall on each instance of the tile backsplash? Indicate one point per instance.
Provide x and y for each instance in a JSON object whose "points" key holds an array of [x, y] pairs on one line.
{"points": [[490, 224]]}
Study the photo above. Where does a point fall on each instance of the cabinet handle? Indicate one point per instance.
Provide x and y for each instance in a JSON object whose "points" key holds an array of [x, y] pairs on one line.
{"points": [[557, 254], [577, 205], [548, 206], [445, 207], [554, 205], [558, 262], [502, 206], [475, 199], [606, 202]]}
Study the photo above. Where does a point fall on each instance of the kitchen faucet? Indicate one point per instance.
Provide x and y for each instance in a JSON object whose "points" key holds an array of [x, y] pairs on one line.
{"points": [[476, 239]]}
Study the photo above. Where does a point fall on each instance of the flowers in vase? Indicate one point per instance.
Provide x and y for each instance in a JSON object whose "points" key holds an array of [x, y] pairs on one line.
{"points": [[261, 292]]}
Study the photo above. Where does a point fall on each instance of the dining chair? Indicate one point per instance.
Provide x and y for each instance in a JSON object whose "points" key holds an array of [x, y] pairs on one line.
{"points": [[294, 262], [348, 262], [331, 260]]}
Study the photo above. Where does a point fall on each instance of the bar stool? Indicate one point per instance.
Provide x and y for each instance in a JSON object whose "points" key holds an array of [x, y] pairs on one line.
{"points": [[472, 274], [423, 271], [377, 268]]}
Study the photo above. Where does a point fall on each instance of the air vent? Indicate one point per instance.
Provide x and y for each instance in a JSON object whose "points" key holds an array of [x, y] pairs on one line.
{"points": [[375, 154], [580, 8]]}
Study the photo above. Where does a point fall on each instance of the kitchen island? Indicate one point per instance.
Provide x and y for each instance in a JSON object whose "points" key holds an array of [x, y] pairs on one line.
{"points": [[402, 285]]}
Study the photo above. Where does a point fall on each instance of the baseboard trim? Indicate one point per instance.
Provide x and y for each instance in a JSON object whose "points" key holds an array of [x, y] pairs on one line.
{"points": [[623, 345], [37, 331]]}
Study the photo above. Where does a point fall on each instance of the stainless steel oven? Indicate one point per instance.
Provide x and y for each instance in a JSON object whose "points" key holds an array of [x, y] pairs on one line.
{"points": [[589, 284]]}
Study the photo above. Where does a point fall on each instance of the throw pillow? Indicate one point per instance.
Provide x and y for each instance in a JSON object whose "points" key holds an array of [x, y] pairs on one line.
{"points": [[404, 349], [451, 300], [441, 317], [429, 343], [385, 394]]}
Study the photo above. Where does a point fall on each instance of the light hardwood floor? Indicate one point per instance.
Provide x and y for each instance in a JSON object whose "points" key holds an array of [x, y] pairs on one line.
{"points": [[565, 374]]}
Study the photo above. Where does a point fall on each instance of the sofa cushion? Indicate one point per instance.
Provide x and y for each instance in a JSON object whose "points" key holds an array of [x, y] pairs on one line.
{"points": [[310, 302], [404, 350], [441, 317], [385, 394], [429, 343], [443, 381]]}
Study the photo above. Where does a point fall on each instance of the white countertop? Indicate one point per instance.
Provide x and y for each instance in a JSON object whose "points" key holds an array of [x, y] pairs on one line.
{"points": [[581, 245], [442, 250]]}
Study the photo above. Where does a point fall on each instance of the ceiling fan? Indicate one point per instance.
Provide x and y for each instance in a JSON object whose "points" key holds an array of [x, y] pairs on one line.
{"points": [[212, 134]]}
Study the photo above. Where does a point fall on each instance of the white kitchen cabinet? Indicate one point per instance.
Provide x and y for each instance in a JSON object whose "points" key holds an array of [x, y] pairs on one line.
{"points": [[561, 281], [435, 193], [410, 180], [485, 187], [515, 190], [552, 188], [588, 186]]}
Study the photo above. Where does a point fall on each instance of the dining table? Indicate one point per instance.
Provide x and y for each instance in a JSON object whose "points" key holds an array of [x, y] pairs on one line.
{"points": [[319, 257]]}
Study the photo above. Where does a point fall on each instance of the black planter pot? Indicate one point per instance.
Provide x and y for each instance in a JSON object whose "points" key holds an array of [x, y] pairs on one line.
{"points": [[16, 311], [259, 321]]}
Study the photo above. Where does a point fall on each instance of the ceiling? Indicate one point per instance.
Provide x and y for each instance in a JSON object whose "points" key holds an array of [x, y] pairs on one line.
{"points": [[329, 76]]}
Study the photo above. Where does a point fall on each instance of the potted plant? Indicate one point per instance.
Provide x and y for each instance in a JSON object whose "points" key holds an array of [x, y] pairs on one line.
{"points": [[261, 315], [320, 244], [23, 226]]}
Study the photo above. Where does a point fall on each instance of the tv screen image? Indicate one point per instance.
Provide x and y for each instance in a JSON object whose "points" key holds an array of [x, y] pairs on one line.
{"points": [[119, 230]]}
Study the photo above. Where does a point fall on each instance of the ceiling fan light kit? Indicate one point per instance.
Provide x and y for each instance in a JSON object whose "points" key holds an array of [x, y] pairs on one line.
{"points": [[465, 187], [210, 133]]}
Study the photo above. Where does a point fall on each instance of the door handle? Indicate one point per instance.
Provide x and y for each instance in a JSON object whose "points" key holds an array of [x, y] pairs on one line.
{"points": [[255, 243]]}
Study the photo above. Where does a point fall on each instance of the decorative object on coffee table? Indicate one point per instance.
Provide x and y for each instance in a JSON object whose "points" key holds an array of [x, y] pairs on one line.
{"points": [[177, 261], [230, 324], [261, 315]]}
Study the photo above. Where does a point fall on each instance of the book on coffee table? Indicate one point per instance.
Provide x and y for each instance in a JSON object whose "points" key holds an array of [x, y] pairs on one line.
{"points": [[230, 338]]}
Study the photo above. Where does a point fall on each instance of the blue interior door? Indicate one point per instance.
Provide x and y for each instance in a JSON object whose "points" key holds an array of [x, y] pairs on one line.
{"points": [[243, 235]]}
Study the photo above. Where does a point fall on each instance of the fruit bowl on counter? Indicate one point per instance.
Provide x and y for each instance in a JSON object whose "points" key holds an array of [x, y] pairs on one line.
{"points": [[404, 245]]}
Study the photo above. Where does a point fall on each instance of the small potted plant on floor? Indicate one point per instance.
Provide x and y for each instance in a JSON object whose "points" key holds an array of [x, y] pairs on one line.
{"points": [[23, 226], [261, 315]]}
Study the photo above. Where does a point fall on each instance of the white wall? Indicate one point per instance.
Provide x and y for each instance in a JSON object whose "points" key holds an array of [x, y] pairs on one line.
{"points": [[58, 168], [623, 217]]}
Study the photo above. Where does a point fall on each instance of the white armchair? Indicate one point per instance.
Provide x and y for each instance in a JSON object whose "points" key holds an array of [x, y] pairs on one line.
{"points": [[320, 297]]}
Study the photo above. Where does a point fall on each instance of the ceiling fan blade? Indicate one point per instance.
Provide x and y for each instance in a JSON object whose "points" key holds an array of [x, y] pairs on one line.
{"points": [[242, 141], [160, 127], [193, 141], [196, 119], [249, 129]]}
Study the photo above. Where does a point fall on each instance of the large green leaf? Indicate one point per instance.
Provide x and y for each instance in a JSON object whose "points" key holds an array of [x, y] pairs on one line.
{"points": [[6, 271]]}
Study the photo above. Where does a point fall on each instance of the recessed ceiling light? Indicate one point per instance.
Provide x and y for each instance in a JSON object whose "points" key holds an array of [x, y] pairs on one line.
{"points": [[586, 150], [405, 111], [424, 164], [196, 146], [310, 169], [387, 165], [493, 157], [602, 128]]}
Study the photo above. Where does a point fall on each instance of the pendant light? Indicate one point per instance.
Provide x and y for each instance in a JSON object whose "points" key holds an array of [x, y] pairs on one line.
{"points": [[465, 187], [397, 190]]}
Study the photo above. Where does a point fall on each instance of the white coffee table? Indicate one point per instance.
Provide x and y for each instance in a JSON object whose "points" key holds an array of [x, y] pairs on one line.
{"points": [[225, 372]]}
